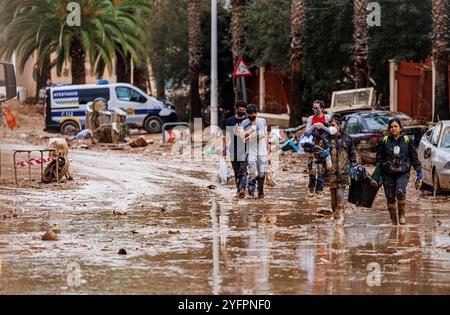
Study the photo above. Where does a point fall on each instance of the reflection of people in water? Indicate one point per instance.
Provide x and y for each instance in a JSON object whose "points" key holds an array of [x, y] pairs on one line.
{"points": [[254, 271]]}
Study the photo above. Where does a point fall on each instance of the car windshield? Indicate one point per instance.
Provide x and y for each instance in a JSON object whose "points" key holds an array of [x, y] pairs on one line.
{"points": [[381, 121], [445, 143]]}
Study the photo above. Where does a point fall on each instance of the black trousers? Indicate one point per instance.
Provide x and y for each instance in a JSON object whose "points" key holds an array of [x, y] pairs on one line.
{"points": [[240, 173]]}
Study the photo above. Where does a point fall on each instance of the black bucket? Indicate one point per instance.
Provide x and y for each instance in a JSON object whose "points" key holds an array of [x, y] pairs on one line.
{"points": [[361, 193]]}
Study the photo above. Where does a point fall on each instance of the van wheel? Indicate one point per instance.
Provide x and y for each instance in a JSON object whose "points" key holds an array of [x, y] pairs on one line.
{"points": [[153, 124], [69, 128]]}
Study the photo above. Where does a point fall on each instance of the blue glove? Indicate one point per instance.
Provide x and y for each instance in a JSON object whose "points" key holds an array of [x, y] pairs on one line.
{"points": [[325, 153], [419, 175], [351, 171]]}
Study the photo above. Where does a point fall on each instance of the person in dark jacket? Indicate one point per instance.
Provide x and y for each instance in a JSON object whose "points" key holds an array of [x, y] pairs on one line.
{"points": [[339, 159], [237, 148], [396, 155]]}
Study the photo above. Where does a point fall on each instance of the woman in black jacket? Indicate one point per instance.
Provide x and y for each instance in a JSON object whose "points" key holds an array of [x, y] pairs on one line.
{"points": [[396, 155]]}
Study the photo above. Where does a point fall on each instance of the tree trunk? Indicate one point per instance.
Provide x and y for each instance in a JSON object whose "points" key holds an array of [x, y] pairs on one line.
{"points": [[78, 61], [195, 55], [43, 75], [296, 114], [361, 39], [160, 88], [123, 68], [297, 34], [238, 40], [140, 76], [440, 59]]}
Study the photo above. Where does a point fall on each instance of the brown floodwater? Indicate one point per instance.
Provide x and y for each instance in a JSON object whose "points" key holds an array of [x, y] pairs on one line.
{"points": [[183, 238]]}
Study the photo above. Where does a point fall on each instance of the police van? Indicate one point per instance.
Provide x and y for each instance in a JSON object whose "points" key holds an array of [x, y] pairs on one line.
{"points": [[65, 106]]}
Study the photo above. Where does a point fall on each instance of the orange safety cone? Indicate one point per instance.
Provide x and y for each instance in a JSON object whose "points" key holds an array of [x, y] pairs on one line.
{"points": [[10, 119]]}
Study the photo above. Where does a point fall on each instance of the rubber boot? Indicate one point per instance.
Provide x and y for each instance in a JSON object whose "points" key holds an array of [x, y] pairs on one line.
{"points": [[339, 216], [376, 177], [261, 187], [401, 211], [311, 192], [393, 213]]}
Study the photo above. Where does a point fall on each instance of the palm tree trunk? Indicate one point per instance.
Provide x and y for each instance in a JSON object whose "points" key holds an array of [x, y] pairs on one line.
{"points": [[160, 88], [195, 55], [297, 33], [238, 39], [43, 75], [78, 61], [123, 67], [440, 59], [140, 76], [361, 39]]}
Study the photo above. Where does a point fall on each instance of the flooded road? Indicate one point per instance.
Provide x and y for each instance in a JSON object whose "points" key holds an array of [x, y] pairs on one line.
{"points": [[183, 238]]}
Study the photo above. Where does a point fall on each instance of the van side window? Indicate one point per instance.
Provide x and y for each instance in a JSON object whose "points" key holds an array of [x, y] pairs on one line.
{"points": [[89, 95], [129, 95]]}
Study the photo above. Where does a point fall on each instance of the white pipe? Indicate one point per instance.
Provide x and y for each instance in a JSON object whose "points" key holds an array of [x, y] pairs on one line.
{"points": [[214, 72]]}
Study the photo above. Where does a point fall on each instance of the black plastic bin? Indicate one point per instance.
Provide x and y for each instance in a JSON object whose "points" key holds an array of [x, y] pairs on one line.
{"points": [[361, 193]]}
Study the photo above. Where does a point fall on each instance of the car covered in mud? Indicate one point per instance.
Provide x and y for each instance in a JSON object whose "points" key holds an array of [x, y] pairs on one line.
{"points": [[367, 129], [434, 153]]}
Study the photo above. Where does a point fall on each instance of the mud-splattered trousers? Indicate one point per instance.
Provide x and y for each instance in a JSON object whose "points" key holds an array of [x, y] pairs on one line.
{"points": [[315, 170], [395, 186], [240, 174], [256, 172]]}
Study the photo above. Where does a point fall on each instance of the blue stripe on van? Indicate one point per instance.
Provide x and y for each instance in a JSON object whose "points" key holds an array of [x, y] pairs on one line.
{"points": [[147, 111], [69, 114]]}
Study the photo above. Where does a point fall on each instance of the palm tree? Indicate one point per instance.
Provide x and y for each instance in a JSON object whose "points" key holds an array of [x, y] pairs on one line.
{"points": [[195, 56], [440, 58], [297, 33], [361, 41], [238, 37], [40, 25]]}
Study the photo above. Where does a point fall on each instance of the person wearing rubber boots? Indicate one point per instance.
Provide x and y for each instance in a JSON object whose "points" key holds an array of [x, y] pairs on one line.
{"points": [[237, 150], [339, 159], [254, 133], [316, 121], [396, 155]]}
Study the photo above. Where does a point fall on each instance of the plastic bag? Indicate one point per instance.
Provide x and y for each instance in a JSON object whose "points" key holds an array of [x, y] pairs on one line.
{"points": [[223, 171], [9, 117], [270, 180]]}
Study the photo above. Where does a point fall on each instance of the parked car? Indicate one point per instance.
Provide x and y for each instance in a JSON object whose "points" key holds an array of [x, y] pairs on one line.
{"points": [[65, 106], [368, 128], [434, 153]]}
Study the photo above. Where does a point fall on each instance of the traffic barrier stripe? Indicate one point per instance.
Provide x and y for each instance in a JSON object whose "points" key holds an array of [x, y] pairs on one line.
{"points": [[31, 162]]}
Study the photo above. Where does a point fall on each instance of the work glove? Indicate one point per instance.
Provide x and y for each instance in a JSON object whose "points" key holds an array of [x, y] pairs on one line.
{"points": [[351, 171], [325, 153], [419, 175]]}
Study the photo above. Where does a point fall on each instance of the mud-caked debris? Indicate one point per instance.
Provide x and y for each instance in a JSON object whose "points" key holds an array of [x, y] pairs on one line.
{"points": [[122, 252], [212, 187], [50, 236], [56, 229], [9, 215], [119, 213], [405, 261], [174, 232], [139, 143]]}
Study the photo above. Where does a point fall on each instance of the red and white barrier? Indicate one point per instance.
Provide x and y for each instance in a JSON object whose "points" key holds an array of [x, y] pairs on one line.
{"points": [[33, 162]]}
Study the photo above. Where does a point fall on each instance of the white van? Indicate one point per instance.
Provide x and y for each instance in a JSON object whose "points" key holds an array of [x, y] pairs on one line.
{"points": [[65, 106]]}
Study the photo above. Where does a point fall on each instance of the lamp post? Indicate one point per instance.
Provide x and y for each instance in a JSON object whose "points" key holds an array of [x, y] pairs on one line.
{"points": [[214, 72]]}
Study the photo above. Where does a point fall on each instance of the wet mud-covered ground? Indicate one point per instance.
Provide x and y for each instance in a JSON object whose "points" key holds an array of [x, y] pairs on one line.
{"points": [[180, 237]]}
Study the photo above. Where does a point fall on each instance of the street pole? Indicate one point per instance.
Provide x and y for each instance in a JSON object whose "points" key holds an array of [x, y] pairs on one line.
{"points": [[214, 72]]}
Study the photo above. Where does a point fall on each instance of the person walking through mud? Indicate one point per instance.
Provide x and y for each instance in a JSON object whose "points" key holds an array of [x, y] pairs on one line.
{"points": [[396, 154], [254, 133], [237, 151], [316, 121], [339, 159]]}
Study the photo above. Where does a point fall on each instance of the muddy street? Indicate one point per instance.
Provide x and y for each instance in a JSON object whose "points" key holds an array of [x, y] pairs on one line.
{"points": [[181, 237]]}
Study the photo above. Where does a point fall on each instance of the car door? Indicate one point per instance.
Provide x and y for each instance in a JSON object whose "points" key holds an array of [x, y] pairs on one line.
{"points": [[430, 151], [133, 103], [425, 146]]}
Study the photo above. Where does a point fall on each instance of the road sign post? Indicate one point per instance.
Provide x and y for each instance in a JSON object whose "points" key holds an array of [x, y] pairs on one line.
{"points": [[241, 71]]}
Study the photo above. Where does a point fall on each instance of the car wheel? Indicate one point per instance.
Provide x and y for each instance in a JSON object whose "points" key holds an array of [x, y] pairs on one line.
{"points": [[436, 186], [153, 124], [69, 128]]}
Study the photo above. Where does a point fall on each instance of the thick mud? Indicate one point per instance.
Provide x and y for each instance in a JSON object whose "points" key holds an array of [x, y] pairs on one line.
{"points": [[184, 238]]}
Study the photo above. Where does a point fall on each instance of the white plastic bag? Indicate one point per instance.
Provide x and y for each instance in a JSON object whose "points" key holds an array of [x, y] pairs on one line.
{"points": [[223, 171]]}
